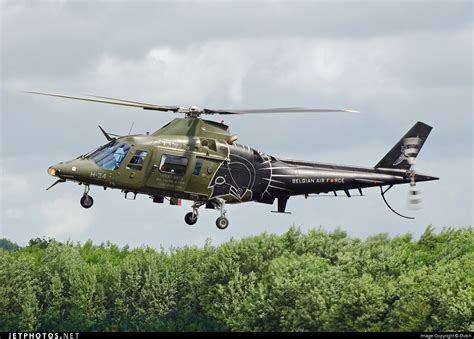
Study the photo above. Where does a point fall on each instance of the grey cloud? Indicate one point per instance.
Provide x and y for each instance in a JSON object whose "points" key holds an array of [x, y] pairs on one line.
{"points": [[79, 32]]}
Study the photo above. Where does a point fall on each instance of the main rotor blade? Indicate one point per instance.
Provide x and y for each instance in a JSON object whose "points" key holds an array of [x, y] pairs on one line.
{"points": [[276, 110], [189, 111], [115, 102], [121, 100]]}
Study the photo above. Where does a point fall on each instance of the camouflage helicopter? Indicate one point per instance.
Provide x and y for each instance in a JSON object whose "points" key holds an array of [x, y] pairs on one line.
{"points": [[199, 160]]}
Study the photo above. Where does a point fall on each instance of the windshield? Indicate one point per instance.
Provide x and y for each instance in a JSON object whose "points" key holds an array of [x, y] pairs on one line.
{"points": [[111, 155]]}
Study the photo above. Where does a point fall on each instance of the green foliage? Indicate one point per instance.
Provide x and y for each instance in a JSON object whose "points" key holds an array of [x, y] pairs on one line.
{"points": [[8, 245], [40, 242], [318, 281]]}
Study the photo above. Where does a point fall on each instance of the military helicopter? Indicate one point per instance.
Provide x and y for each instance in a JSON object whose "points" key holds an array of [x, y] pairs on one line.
{"points": [[199, 160]]}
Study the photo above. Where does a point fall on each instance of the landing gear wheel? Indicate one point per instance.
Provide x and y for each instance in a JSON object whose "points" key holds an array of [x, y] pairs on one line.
{"points": [[190, 218], [222, 223], [87, 201]]}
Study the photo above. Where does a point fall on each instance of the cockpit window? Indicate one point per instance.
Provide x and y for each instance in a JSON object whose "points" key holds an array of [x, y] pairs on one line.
{"points": [[111, 155], [136, 163]]}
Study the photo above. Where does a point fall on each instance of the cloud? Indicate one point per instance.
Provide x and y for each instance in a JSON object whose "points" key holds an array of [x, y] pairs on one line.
{"points": [[226, 71], [56, 38], [14, 184], [11, 186], [62, 217], [183, 76], [14, 213]]}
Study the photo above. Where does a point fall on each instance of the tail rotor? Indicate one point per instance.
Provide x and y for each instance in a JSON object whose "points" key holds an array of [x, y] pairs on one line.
{"points": [[411, 147], [402, 157]]}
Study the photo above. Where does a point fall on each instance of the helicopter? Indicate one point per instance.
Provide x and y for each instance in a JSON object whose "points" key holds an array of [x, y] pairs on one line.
{"points": [[195, 159]]}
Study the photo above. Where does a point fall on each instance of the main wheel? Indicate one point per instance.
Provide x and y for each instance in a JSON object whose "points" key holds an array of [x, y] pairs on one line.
{"points": [[190, 218], [222, 223], [87, 201]]}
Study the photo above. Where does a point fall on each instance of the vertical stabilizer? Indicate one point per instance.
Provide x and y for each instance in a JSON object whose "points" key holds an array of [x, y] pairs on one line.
{"points": [[405, 151]]}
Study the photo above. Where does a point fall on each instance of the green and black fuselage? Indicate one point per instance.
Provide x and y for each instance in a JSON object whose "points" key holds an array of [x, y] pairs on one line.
{"points": [[198, 160]]}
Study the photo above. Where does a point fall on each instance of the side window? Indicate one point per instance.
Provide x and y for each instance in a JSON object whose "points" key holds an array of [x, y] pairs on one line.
{"points": [[136, 163], [173, 164], [197, 168]]}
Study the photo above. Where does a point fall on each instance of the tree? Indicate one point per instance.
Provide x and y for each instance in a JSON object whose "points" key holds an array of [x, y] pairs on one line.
{"points": [[8, 245], [315, 281]]}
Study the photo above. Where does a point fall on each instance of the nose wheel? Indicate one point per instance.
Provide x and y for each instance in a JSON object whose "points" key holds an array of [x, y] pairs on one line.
{"points": [[86, 200], [191, 218]]}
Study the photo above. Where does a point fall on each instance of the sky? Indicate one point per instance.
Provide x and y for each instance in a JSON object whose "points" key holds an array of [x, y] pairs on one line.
{"points": [[396, 62]]}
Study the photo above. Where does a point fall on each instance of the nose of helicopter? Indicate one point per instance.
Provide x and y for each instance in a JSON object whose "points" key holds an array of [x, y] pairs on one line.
{"points": [[57, 170], [53, 171], [62, 170], [77, 169]]}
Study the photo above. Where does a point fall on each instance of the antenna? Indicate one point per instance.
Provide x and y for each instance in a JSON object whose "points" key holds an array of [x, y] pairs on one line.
{"points": [[129, 132]]}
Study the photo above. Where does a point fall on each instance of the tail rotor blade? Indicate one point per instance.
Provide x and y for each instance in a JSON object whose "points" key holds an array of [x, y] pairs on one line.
{"points": [[414, 194], [414, 198]]}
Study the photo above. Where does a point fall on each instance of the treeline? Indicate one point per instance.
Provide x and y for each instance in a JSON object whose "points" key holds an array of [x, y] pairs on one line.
{"points": [[318, 281]]}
